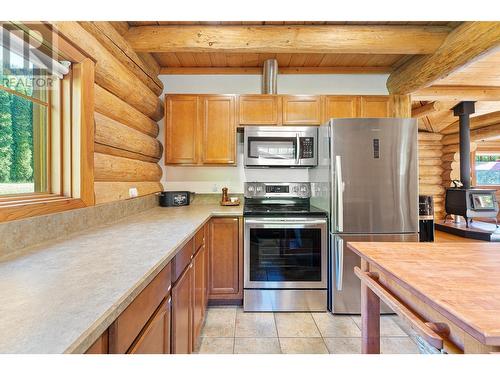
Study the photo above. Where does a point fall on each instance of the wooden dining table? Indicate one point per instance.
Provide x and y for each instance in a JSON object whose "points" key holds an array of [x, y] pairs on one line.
{"points": [[449, 293]]}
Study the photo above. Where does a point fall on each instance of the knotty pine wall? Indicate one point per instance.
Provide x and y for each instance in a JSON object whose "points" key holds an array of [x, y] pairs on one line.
{"points": [[127, 108]]}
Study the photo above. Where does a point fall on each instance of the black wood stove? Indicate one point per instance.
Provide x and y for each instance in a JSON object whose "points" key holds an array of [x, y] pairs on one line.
{"points": [[465, 200]]}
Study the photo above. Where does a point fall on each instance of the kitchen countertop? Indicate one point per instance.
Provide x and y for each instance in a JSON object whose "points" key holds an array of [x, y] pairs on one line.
{"points": [[60, 296], [459, 280]]}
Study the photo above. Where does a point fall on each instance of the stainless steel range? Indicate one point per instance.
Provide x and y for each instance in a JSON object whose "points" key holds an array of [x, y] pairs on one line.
{"points": [[285, 249]]}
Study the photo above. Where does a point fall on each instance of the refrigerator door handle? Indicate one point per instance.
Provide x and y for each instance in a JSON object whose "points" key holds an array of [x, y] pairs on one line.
{"points": [[339, 185], [339, 263], [297, 150]]}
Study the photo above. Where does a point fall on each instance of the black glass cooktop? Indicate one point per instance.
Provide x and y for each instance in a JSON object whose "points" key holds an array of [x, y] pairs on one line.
{"points": [[275, 208]]}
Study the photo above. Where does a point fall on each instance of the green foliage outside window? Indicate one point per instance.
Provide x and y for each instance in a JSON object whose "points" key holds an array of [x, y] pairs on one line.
{"points": [[16, 138]]}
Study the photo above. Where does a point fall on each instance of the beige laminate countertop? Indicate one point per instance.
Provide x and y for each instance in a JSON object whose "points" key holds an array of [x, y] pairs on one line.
{"points": [[61, 296]]}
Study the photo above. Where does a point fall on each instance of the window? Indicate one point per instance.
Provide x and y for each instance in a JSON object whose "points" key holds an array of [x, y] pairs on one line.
{"points": [[487, 168], [24, 114], [46, 122]]}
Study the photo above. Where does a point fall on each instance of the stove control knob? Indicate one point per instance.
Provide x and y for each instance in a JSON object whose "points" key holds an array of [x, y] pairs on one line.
{"points": [[303, 188], [259, 189], [251, 189], [295, 189]]}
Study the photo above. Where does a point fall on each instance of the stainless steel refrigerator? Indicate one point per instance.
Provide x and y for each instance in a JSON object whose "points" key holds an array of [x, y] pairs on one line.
{"points": [[367, 178]]}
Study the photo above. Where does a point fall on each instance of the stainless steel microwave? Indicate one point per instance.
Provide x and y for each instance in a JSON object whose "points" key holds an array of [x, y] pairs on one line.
{"points": [[272, 146]]}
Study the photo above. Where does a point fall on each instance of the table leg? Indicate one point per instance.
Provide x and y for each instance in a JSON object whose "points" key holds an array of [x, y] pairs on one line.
{"points": [[370, 321]]}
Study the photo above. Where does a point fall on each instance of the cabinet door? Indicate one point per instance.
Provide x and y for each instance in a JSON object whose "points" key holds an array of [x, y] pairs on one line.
{"points": [[375, 106], [100, 346], [181, 129], [155, 338], [182, 313], [207, 270], [301, 110], [225, 259], [198, 293], [345, 106], [219, 129], [259, 110]]}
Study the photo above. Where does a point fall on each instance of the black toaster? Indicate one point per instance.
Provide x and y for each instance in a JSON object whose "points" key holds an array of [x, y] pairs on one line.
{"points": [[174, 198]]}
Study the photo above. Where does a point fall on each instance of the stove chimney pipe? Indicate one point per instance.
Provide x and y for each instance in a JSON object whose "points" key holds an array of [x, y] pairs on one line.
{"points": [[270, 77], [463, 110]]}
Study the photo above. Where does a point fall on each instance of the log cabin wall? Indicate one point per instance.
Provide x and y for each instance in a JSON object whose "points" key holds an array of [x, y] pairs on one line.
{"points": [[127, 108], [430, 180]]}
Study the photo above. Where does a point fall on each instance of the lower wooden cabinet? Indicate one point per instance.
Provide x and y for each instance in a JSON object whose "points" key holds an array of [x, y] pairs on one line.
{"points": [[123, 332], [168, 315], [182, 313], [199, 293], [155, 338], [100, 346], [225, 259]]}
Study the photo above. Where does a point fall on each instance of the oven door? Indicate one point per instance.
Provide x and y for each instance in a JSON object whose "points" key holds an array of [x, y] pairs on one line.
{"points": [[285, 253]]}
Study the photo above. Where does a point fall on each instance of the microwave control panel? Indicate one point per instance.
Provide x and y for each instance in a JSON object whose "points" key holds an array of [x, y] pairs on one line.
{"points": [[306, 148]]}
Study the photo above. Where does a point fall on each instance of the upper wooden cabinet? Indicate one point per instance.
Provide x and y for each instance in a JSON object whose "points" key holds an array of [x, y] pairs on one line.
{"points": [[301, 109], [200, 129], [259, 110], [219, 132], [375, 106], [346, 106], [182, 129]]}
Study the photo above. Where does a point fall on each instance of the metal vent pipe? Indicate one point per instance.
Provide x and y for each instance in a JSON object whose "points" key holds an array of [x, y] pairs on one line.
{"points": [[270, 77], [463, 110]]}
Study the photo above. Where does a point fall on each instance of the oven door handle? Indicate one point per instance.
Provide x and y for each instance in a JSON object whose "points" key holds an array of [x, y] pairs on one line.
{"points": [[285, 222]]}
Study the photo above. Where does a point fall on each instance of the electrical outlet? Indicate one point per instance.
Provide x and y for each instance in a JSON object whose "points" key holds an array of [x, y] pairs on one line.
{"points": [[132, 192]]}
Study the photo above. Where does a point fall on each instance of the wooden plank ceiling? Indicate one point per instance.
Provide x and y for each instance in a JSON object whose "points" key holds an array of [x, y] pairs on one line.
{"points": [[194, 62], [473, 79]]}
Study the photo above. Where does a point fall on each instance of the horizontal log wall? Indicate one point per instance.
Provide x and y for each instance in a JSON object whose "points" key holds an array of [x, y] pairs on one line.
{"points": [[127, 108], [430, 169]]}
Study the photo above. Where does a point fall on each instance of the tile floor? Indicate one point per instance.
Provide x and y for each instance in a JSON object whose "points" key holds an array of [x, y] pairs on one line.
{"points": [[229, 330]]}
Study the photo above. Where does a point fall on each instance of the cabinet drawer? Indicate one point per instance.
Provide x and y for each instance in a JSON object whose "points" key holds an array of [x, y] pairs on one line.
{"points": [[199, 239], [155, 338], [182, 260], [124, 330]]}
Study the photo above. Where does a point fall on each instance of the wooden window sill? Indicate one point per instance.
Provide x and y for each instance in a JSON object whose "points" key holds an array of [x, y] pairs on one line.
{"points": [[33, 205]]}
